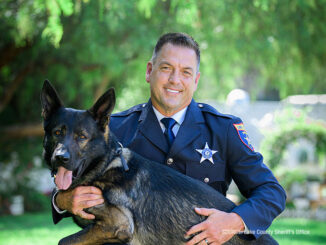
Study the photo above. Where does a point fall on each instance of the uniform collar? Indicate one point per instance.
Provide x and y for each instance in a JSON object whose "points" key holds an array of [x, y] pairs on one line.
{"points": [[188, 112], [149, 126], [179, 117]]}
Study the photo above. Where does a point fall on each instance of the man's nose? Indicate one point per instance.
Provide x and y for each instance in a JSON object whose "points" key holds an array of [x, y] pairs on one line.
{"points": [[62, 155], [175, 76]]}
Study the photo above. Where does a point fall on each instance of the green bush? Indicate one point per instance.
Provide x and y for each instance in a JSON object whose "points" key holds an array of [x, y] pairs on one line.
{"points": [[292, 125], [18, 159]]}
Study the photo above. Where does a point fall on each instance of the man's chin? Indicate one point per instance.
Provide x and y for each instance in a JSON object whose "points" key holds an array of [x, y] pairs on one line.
{"points": [[173, 108]]}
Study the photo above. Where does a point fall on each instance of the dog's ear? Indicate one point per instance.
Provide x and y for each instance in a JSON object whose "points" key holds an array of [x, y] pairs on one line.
{"points": [[49, 99], [103, 108]]}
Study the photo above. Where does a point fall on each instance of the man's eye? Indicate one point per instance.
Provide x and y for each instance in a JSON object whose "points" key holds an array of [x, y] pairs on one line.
{"points": [[187, 73]]}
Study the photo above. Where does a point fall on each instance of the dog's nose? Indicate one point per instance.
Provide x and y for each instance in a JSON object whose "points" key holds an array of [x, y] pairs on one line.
{"points": [[63, 157]]}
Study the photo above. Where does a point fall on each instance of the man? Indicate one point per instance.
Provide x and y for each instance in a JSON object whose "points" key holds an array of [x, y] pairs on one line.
{"points": [[208, 146]]}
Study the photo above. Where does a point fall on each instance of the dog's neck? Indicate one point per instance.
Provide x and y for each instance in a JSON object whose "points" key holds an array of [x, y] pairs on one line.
{"points": [[116, 150]]}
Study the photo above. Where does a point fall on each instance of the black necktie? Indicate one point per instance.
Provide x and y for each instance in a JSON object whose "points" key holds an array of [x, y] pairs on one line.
{"points": [[169, 124]]}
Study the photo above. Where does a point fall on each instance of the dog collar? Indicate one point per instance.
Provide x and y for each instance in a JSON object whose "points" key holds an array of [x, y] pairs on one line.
{"points": [[123, 160]]}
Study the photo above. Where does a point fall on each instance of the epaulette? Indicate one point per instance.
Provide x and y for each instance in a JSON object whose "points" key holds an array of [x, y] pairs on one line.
{"points": [[136, 108], [210, 109]]}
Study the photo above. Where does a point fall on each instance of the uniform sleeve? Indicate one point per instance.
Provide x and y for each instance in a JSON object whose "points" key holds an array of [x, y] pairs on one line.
{"points": [[265, 196]]}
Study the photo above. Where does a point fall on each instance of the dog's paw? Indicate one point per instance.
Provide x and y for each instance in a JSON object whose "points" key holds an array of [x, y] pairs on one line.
{"points": [[123, 235], [70, 240], [63, 242]]}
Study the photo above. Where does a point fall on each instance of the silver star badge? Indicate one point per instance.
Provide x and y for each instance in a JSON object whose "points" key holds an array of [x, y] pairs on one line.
{"points": [[206, 153]]}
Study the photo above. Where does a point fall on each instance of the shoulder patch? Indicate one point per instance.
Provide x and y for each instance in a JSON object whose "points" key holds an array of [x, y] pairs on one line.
{"points": [[243, 135]]}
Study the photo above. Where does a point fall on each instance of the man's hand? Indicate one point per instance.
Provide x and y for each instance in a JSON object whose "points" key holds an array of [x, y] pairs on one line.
{"points": [[74, 201], [217, 229]]}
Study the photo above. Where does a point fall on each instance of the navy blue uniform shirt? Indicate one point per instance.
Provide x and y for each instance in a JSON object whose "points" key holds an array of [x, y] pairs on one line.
{"points": [[138, 129]]}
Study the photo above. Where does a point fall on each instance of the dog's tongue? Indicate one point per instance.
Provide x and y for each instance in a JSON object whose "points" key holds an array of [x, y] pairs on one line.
{"points": [[63, 178]]}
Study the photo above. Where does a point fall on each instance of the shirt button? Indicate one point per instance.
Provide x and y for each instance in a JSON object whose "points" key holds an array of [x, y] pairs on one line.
{"points": [[200, 105], [169, 161], [206, 180], [144, 105]]}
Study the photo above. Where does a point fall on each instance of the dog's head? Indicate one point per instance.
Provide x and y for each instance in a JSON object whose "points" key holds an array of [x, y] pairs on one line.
{"points": [[74, 139]]}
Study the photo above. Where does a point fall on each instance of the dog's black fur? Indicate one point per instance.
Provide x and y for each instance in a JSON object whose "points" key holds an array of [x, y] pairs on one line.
{"points": [[145, 202]]}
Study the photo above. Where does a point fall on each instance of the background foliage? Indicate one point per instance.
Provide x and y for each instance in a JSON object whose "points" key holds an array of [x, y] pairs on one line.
{"points": [[292, 125], [270, 48]]}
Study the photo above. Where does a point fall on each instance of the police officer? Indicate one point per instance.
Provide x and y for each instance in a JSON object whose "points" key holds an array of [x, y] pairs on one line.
{"points": [[195, 139]]}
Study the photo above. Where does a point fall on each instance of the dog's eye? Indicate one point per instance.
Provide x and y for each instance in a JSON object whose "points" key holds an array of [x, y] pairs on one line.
{"points": [[57, 132], [82, 137]]}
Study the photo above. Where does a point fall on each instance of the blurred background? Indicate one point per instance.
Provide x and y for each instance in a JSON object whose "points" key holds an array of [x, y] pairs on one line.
{"points": [[262, 60]]}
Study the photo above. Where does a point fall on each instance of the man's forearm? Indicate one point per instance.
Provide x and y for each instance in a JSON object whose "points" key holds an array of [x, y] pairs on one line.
{"points": [[258, 211]]}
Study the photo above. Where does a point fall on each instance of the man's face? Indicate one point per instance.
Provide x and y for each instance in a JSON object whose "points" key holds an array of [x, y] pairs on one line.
{"points": [[173, 78]]}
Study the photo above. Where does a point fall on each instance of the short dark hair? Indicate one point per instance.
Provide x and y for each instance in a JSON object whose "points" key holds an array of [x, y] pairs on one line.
{"points": [[177, 38]]}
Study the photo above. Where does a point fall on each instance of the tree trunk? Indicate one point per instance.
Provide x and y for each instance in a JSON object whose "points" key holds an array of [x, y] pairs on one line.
{"points": [[14, 85], [21, 131]]}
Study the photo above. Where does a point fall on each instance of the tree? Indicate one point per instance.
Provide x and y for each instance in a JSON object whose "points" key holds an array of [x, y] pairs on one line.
{"points": [[84, 47], [270, 48]]}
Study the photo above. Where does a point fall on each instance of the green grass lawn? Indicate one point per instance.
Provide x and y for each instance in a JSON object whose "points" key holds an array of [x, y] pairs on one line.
{"points": [[34, 229], [289, 231], [38, 229]]}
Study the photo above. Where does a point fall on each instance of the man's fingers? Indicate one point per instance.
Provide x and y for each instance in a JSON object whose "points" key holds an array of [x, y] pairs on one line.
{"points": [[89, 197], [196, 239], [205, 211], [85, 215], [196, 228], [91, 203], [88, 190], [87, 204]]}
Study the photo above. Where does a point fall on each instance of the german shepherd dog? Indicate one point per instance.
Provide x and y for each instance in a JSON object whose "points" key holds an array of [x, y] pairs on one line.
{"points": [[146, 203]]}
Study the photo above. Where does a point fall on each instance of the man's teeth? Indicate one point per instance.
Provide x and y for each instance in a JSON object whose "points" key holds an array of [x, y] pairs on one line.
{"points": [[172, 91]]}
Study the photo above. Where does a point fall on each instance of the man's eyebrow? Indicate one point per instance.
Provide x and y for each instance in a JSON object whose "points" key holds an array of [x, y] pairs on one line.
{"points": [[188, 68], [169, 64], [165, 63]]}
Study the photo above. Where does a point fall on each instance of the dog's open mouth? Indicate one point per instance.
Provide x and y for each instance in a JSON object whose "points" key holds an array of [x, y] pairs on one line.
{"points": [[63, 178]]}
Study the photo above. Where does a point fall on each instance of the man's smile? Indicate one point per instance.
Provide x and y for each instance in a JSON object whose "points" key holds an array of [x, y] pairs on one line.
{"points": [[172, 91]]}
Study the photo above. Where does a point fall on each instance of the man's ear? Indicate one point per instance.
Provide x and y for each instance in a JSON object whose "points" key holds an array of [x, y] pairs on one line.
{"points": [[50, 100], [103, 108], [149, 69]]}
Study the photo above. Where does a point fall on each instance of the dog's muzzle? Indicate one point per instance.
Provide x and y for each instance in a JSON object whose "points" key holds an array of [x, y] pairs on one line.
{"points": [[61, 156]]}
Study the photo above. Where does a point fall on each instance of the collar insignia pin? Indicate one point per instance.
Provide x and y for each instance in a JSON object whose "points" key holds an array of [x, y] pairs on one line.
{"points": [[206, 154]]}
